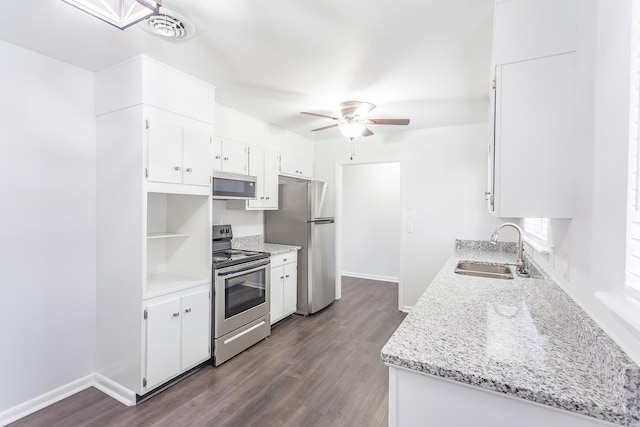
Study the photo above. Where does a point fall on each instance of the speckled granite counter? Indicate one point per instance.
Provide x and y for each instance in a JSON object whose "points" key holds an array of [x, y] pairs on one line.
{"points": [[522, 337], [256, 243]]}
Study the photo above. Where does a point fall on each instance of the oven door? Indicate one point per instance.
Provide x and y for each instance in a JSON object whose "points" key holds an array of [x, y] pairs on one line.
{"points": [[241, 295]]}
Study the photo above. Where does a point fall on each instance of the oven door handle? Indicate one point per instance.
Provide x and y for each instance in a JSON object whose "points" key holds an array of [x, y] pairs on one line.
{"points": [[245, 268]]}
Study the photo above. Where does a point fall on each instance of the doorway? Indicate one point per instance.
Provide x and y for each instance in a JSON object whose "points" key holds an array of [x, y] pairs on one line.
{"points": [[369, 242]]}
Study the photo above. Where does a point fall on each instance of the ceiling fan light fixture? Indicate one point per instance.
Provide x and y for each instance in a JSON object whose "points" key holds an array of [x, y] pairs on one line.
{"points": [[352, 130], [119, 13]]}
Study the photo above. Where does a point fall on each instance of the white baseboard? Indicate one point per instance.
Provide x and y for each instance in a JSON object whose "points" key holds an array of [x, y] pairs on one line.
{"points": [[115, 390], [44, 400], [407, 308], [371, 277]]}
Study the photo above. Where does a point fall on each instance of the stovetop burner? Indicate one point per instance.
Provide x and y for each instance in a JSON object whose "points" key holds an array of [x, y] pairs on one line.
{"points": [[223, 255]]}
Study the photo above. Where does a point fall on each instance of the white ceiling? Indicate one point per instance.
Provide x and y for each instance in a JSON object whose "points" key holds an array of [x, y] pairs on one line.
{"points": [[427, 60]]}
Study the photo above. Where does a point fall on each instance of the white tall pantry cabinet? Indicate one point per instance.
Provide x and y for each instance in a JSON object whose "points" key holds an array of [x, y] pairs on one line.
{"points": [[154, 137]]}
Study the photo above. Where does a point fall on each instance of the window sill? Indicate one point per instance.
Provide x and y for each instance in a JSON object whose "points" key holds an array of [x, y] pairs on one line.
{"points": [[537, 246], [626, 307]]}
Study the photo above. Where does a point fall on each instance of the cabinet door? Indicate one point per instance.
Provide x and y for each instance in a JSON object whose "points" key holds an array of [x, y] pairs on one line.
{"points": [[306, 168], [163, 341], [196, 332], [270, 182], [256, 168], [235, 157], [290, 288], [277, 280], [196, 148], [534, 138], [164, 151], [216, 153]]}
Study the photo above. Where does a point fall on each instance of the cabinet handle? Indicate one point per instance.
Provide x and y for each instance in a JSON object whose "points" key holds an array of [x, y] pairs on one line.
{"points": [[282, 277], [189, 170], [176, 314], [284, 259], [226, 158], [287, 276], [267, 197], [217, 157], [188, 310], [261, 197], [177, 168]]}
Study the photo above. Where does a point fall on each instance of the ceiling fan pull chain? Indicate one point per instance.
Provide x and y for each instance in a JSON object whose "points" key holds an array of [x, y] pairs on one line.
{"points": [[353, 149]]}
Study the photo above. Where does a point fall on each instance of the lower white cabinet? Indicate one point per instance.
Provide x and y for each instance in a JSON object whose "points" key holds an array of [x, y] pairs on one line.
{"points": [[284, 285], [177, 334]]}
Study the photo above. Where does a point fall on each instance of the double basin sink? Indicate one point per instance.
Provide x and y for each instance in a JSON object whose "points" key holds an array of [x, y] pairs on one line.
{"points": [[480, 269]]}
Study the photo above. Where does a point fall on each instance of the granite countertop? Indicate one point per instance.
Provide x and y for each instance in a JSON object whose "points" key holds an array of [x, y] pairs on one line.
{"points": [[523, 337], [256, 243]]}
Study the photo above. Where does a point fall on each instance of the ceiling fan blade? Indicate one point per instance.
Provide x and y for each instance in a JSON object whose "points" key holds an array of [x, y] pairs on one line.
{"points": [[319, 115], [366, 132], [326, 127], [388, 121], [364, 109]]}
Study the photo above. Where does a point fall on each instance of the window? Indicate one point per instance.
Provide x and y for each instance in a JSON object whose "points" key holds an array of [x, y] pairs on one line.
{"points": [[537, 235], [632, 280]]}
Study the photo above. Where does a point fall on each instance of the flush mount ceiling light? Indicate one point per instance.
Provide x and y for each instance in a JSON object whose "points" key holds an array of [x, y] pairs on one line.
{"points": [[119, 13], [169, 24]]}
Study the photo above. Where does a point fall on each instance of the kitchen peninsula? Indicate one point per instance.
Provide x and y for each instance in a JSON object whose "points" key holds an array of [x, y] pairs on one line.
{"points": [[484, 351]]}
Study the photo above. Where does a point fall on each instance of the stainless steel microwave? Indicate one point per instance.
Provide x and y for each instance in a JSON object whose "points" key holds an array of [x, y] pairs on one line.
{"points": [[231, 186]]}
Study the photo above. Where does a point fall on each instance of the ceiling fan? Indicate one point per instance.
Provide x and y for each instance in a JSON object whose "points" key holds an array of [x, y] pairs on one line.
{"points": [[353, 121]]}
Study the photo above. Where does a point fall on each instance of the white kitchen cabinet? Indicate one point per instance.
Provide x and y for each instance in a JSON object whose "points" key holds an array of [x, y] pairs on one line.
{"points": [[417, 399], [144, 81], [153, 237], [530, 157], [284, 285], [264, 165], [177, 334], [177, 154], [296, 167], [528, 29], [230, 156]]}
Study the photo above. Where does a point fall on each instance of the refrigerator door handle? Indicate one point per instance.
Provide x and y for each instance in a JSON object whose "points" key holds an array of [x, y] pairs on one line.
{"points": [[322, 221]]}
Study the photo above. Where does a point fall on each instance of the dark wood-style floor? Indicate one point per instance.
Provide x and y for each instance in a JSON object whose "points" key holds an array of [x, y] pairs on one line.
{"points": [[324, 370]]}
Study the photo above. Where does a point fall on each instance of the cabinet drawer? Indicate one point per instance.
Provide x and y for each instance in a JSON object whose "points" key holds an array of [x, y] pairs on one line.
{"points": [[282, 259]]}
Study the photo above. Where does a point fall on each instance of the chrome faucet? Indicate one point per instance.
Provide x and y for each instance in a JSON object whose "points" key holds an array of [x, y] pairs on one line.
{"points": [[520, 270]]}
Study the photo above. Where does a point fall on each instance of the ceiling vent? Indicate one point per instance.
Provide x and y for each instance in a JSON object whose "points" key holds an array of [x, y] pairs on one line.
{"points": [[169, 25]]}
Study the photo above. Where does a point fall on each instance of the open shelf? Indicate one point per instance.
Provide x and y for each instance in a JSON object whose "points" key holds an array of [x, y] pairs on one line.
{"points": [[165, 235], [169, 281]]}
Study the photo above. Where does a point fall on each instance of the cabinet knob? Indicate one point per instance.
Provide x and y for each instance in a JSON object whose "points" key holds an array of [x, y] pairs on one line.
{"points": [[267, 197], [176, 314], [282, 277], [177, 168], [261, 197], [188, 310], [189, 170], [287, 276], [217, 157], [284, 259], [226, 158]]}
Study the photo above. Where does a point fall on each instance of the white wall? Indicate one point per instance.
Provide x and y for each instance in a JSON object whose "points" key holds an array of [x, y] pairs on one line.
{"points": [[371, 221], [241, 127], [48, 227], [593, 241], [443, 176]]}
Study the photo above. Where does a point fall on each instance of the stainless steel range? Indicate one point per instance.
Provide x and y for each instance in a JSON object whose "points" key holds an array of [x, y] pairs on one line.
{"points": [[241, 296]]}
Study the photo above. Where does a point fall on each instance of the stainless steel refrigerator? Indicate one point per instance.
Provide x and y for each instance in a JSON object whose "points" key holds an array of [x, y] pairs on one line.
{"points": [[306, 218]]}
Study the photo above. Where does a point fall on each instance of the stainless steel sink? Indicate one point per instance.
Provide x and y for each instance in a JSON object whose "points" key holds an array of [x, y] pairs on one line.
{"points": [[479, 269]]}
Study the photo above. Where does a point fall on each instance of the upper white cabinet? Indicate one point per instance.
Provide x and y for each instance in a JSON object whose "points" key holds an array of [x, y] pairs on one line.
{"points": [[533, 109], [178, 154], [264, 164], [143, 80], [230, 156], [528, 29], [534, 138], [296, 167]]}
